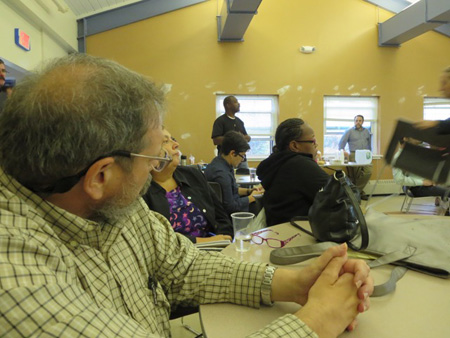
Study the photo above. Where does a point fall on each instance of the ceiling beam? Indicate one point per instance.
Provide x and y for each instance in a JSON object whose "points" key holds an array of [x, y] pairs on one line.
{"points": [[125, 15], [235, 18], [413, 21]]}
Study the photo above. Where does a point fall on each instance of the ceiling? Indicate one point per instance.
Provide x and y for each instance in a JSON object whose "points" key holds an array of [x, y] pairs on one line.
{"points": [[83, 8]]}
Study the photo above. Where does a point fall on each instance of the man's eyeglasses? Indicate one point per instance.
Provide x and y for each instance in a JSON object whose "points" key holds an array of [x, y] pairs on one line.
{"points": [[271, 242], [66, 183], [163, 160], [244, 157], [313, 141]]}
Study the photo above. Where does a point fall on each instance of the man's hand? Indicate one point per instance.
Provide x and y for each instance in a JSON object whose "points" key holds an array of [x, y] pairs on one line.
{"points": [[294, 285], [427, 183], [332, 302], [425, 124]]}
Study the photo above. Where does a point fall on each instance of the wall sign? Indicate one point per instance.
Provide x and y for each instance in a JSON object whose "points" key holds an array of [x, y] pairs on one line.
{"points": [[22, 39]]}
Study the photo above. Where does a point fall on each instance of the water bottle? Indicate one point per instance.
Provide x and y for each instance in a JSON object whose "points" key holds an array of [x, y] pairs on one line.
{"points": [[341, 156], [183, 160], [191, 159]]}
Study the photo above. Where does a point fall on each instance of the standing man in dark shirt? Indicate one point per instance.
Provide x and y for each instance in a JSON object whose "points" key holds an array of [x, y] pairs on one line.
{"points": [[229, 121]]}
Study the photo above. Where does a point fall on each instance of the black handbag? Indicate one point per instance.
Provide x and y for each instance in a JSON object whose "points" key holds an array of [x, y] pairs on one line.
{"points": [[335, 214]]}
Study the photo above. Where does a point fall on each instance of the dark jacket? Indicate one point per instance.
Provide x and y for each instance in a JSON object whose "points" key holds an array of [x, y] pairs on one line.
{"points": [[221, 172], [194, 187], [444, 127], [291, 181]]}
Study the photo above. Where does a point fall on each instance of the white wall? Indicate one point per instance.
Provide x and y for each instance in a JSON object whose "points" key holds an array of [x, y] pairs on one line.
{"points": [[52, 34]]}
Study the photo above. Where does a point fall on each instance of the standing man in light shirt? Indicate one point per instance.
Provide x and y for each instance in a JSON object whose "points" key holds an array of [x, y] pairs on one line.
{"points": [[357, 138], [229, 121]]}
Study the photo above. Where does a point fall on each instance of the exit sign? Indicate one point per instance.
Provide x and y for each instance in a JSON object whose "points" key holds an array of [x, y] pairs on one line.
{"points": [[22, 39]]}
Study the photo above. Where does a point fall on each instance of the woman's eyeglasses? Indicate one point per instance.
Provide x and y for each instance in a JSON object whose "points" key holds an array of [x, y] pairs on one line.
{"points": [[313, 141], [271, 242]]}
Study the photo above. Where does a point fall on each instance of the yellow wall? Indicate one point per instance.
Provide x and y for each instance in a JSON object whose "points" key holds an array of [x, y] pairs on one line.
{"points": [[181, 49]]}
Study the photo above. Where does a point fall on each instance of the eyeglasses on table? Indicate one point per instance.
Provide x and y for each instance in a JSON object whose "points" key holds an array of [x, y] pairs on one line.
{"points": [[271, 242]]}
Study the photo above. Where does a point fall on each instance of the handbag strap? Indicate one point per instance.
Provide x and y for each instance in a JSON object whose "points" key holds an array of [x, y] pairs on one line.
{"points": [[297, 254], [364, 233], [300, 218], [285, 256]]}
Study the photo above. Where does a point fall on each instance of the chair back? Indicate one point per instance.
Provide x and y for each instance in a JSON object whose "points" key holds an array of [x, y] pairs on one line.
{"points": [[242, 171], [217, 189], [407, 191]]}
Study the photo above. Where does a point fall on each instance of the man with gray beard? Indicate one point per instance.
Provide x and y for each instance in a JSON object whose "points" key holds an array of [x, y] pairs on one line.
{"points": [[81, 255]]}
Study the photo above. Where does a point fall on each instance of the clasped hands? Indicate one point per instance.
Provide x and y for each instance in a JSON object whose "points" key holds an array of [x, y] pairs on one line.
{"points": [[333, 290], [258, 190]]}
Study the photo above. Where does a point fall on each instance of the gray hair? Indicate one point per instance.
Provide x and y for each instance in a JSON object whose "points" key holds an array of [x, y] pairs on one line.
{"points": [[77, 109]]}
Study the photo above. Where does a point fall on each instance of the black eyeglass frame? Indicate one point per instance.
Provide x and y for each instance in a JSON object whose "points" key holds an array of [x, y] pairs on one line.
{"points": [[307, 141], [244, 157], [66, 183]]}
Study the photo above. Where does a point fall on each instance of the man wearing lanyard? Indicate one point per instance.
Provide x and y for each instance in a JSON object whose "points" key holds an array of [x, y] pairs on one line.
{"points": [[357, 138]]}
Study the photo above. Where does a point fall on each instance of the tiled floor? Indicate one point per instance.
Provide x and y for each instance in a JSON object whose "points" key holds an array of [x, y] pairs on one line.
{"points": [[387, 204]]}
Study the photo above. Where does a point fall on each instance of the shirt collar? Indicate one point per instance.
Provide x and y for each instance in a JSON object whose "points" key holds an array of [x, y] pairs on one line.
{"points": [[69, 228], [225, 163], [180, 178]]}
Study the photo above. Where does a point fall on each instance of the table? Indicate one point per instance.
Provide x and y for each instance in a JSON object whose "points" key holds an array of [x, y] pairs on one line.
{"points": [[246, 181], [419, 307], [344, 165]]}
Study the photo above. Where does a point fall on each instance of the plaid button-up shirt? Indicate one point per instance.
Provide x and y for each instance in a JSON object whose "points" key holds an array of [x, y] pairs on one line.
{"points": [[62, 275]]}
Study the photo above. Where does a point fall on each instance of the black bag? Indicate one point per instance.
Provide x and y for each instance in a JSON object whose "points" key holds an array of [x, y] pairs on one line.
{"points": [[335, 214]]}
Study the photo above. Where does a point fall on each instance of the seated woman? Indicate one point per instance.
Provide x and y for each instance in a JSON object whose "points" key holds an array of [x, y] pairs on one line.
{"points": [[419, 186], [221, 170], [183, 196], [290, 176]]}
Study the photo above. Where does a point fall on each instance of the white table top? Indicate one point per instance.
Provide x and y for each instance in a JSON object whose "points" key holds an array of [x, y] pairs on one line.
{"points": [[246, 180], [419, 307], [341, 165]]}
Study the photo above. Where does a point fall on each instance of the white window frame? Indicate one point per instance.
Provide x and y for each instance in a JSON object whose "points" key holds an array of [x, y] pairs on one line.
{"points": [[245, 116], [436, 108], [357, 105]]}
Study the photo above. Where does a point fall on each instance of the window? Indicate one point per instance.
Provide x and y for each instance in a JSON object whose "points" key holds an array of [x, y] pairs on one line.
{"points": [[435, 108], [339, 112], [259, 113]]}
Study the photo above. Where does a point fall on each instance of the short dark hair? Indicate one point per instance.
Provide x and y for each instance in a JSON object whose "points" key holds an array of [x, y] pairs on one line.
{"points": [[1, 62], [287, 131], [234, 140], [358, 116], [227, 100]]}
